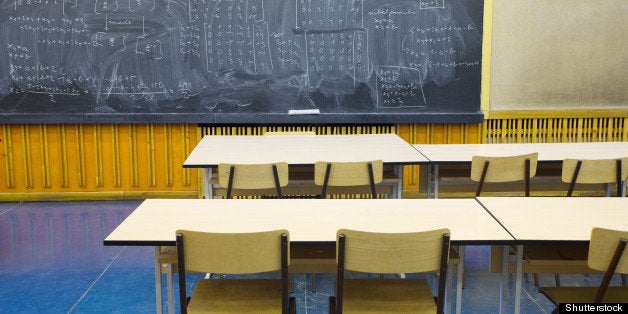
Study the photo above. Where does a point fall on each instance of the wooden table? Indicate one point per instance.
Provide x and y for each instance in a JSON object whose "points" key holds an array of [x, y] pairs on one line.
{"points": [[554, 220], [302, 150], [548, 152], [154, 222]]}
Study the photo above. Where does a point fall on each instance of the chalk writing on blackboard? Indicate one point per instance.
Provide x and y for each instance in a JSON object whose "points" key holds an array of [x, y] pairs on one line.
{"points": [[203, 60]]}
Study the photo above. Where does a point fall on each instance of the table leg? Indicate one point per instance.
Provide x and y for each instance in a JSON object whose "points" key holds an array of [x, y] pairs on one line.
{"points": [[436, 181], [158, 296], [607, 187], [169, 286], [428, 189], [518, 279], [207, 184], [459, 280], [504, 284], [398, 190]]}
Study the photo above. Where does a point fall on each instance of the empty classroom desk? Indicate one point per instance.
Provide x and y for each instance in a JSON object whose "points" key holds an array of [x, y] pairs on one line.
{"points": [[303, 150], [548, 152], [155, 221]]}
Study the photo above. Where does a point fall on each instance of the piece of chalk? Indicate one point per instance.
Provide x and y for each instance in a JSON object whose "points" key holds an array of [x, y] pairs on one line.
{"points": [[304, 111]]}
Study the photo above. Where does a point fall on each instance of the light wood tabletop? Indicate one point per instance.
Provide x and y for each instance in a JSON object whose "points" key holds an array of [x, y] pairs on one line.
{"points": [[309, 220], [302, 149], [548, 152], [557, 219], [554, 220]]}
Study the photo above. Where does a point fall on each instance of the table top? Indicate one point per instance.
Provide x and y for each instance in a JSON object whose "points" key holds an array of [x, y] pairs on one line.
{"points": [[302, 149], [309, 220], [557, 219], [547, 151]]}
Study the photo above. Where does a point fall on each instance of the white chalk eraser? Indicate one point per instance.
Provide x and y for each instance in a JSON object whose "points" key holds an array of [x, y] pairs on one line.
{"points": [[304, 111]]}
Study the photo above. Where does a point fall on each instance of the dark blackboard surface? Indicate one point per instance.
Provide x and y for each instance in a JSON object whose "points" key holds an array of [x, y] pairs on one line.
{"points": [[240, 61]]}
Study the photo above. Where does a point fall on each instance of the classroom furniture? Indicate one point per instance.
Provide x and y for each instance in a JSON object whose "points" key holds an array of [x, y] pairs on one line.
{"points": [[310, 221], [248, 177], [561, 220], [503, 169], [390, 253], [462, 154], [346, 174], [588, 171], [234, 253], [606, 254], [499, 170], [303, 151], [265, 179], [572, 259]]}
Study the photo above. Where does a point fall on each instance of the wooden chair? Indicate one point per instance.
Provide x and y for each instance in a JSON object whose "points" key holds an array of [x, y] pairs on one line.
{"points": [[348, 174], [389, 253], [235, 253], [503, 169], [265, 179], [261, 177], [606, 254], [598, 171]]}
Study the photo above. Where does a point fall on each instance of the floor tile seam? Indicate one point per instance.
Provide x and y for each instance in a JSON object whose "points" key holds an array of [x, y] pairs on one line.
{"points": [[96, 280], [530, 297], [9, 209]]}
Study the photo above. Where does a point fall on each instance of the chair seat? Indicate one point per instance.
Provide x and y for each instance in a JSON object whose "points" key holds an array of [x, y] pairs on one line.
{"points": [[236, 296], [584, 294], [387, 295]]}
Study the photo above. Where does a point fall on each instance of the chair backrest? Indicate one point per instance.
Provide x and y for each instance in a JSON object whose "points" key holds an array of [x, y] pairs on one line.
{"points": [[253, 176], [594, 171], [602, 247], [348, 174], [504, 169], [232, 253], [393, 253], [607, 252]]}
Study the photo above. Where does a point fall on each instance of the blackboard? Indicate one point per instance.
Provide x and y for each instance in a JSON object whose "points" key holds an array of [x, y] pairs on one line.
{"points": [[240, 61]]}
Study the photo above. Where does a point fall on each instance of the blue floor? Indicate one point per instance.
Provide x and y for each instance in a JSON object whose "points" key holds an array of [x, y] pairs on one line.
{"points": [[53, 261]]}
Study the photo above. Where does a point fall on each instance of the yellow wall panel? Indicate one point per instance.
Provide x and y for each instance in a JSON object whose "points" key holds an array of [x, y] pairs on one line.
{"points": [[115, 161], [94, 161]]}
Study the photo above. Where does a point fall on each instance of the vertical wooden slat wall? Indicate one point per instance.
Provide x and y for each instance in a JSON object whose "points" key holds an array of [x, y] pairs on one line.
{"points": [[118, 161], [96, 161]]}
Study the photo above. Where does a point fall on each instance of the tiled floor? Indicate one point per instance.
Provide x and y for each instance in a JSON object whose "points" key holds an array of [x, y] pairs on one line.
{"points": [[53, 261]]}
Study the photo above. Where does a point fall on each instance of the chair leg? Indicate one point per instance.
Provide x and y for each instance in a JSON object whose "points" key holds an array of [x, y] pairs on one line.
{"points": [[624, 280], [292, 305], [557, 279], [313, 282], [536, 279], [332, 305]]}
